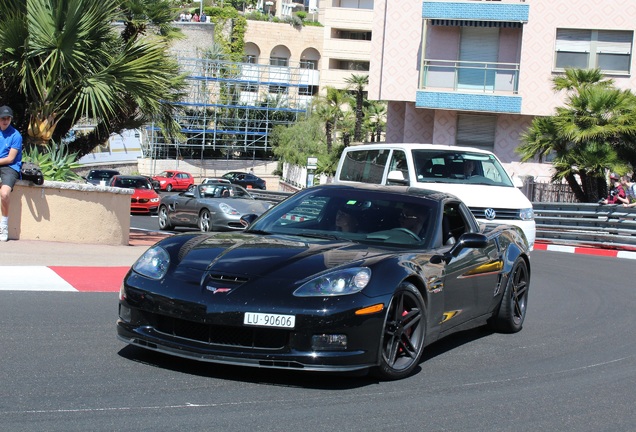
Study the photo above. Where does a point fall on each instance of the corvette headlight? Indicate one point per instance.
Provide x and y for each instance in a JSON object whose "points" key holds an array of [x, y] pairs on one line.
{"points": [[227, 209], [153, 263], [526, 214], [341, 282]]}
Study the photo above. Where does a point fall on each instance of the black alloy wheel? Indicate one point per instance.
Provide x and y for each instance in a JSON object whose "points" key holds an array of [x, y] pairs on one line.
{"points": [[402, 343], [514, 301]]}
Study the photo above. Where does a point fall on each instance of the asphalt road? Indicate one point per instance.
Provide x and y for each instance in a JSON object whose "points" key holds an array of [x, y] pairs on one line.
{"points": [[572, 368]]}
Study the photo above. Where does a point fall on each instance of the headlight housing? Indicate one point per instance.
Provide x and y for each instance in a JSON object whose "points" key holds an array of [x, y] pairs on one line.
{"points": [[340, 282], [154, 263], [229, 210], [526, 214]]}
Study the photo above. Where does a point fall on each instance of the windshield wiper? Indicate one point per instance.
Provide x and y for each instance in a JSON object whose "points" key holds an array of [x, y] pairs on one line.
{"points": [[322, 236]]}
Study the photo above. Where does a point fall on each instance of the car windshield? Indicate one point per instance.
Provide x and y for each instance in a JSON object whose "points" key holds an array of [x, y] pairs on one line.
{"points": [[223, 190], [166, 174], [101, 174], [444, 166], [357, 215], [132, 183]]}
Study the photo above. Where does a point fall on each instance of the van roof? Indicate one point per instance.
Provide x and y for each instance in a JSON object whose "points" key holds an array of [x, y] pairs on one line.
{"points": [[412, 146]]}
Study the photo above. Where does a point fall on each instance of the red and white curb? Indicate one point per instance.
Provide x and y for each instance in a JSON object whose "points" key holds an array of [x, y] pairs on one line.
{"points": [[586, 251], [61, 278], [109, 279]]}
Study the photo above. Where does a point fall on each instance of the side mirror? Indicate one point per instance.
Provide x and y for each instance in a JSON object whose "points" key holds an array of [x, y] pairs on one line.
{"points": [[247, 219], [397, 177], [467, 240]]}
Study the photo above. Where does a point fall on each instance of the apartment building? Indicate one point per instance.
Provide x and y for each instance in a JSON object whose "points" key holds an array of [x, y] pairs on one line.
{"points": [[477, 72], [338, 49]]}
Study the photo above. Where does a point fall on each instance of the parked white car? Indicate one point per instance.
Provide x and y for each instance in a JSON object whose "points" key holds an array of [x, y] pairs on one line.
{"points": [[475, 176]]}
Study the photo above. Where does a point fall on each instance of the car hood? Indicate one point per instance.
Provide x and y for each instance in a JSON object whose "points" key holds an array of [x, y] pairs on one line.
{"points": [[250, 256], [145, 193]]}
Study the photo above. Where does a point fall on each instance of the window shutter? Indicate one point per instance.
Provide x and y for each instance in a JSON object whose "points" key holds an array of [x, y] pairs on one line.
{"points": [[476, 131], [573, 40], [614, 42]]}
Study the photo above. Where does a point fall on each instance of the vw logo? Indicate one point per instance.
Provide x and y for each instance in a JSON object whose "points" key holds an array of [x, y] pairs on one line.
{"points": [[490, 214]]}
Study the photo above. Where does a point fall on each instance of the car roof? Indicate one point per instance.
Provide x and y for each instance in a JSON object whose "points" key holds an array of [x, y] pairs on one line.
{"points": [[418, 146], [135, 177], [393, 189]]}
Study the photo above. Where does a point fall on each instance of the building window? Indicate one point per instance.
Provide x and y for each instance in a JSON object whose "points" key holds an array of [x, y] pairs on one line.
{"points": [[247, 87], [310, 90], [476, 131], [352, 65], [352, 34], [608, 50], [309, 64], [278, 89], [251, 59], [278, 61]]}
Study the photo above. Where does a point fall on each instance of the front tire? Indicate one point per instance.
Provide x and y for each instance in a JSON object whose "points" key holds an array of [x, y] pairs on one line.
{"points": [[511, 312], [164, 219], [169, 188], [205, 221], [402, 342]]}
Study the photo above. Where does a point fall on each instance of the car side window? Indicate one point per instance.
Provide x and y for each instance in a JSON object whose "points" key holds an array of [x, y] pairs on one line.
{"points": [[365, 166], [453, 223]]}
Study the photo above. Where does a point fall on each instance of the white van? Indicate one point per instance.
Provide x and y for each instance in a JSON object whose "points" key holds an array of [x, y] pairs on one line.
{"points": [[473, 175]]}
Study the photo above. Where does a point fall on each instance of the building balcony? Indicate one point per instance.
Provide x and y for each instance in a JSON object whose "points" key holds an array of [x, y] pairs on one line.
{"points": [[469, 86], [476, 10], [457, 75]]}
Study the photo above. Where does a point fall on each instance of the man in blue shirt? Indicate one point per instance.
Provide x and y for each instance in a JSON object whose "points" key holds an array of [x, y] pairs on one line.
{"points": [[10, 164]]}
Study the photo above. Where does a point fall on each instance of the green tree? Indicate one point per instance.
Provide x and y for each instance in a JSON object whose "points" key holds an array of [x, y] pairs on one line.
{"points": [[329, 109], [584, 135], [375, 114], [64, 60], [357, 83]]}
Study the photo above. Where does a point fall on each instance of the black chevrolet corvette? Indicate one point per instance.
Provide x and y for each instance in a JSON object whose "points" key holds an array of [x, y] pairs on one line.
{"points": [[301, 289]]}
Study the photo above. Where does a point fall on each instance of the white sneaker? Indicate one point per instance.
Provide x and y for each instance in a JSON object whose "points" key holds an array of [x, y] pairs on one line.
{"points": [[4, 233]]}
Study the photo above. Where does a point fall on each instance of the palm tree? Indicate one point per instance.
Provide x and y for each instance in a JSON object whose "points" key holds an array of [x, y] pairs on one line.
{"points": [[584, 134], [376, 118], [358, 83], [68, 62], [330, 110]]}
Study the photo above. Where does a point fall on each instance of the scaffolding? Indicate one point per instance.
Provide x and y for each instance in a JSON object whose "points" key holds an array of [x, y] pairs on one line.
{"points": [[231, 108]]}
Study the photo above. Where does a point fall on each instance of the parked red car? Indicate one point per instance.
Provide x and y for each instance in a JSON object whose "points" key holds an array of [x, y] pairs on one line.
{"points": [[170, 180], [144, 198]]}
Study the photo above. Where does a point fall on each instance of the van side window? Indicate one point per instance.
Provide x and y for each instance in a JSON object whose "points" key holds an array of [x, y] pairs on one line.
{"points": [[366, 166], [398, 163]]}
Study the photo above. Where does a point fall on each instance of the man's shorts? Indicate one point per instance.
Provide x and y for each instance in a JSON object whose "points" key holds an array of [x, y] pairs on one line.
{"points": [[9, 176]]}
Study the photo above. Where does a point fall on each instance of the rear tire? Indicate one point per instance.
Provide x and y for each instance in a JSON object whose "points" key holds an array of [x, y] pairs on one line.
{"points": [[511, 312], [402, 341]]}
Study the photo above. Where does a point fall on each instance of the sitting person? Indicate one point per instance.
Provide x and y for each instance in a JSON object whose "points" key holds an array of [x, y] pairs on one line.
{"points": [[346, 221], [617, 194], [630, 191], [412, 219]]}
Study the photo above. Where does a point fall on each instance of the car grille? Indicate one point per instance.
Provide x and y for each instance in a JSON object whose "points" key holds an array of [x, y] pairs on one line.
{"points": [[140, 200], [501, 213], [244, 337]]}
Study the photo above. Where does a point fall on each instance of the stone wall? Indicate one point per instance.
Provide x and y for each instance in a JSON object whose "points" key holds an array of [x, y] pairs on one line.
{"points": [[70, 213]]}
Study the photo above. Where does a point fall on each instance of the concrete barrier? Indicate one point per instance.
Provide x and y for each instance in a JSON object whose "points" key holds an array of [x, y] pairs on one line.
{"points": [[70, 212]]}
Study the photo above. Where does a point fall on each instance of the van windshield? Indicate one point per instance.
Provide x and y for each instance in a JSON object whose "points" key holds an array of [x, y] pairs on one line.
{"points": [[442, 166]]}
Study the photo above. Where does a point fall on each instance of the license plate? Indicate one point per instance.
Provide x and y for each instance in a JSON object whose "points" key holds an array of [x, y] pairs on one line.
{"points": [[269, 320]]}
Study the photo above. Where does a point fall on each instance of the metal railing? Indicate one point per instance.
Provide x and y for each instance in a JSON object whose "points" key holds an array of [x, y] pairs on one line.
{"points": [[471, 76], [583, 224]]}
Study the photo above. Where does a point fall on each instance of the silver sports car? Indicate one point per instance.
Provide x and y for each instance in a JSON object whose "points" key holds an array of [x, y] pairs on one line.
{"points": [[210, 207]]}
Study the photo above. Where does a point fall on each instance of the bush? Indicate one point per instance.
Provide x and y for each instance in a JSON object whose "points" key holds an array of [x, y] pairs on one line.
{"points": [[54, 161]]}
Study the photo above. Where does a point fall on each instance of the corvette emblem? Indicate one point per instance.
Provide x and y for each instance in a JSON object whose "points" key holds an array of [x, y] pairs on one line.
{"points": [[490, 214], [215, 290]]}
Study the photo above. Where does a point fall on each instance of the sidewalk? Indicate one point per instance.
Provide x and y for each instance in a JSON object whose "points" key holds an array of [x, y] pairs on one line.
{"points": [[31, 265]]}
